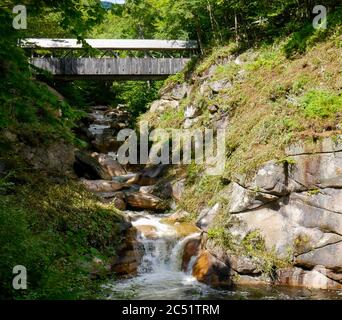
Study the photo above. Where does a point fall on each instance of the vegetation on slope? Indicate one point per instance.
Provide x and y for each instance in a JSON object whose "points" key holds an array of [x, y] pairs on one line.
{"points": [[274, 100]]}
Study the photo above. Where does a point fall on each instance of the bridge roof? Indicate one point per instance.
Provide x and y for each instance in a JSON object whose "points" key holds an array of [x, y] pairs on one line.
{"points": [[111, 44]]}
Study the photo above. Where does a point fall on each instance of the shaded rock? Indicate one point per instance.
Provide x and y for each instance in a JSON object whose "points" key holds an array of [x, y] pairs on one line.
{"points": [[238, 263], [148, 176], [162, 190], [58, 157], [297, 277], [111, 166], [119, 201], [211, 271], [89, 166], [191, 249], [106, 142], [102, 185], [212, 109], [141, 201], [129, 255], [243, 265]]}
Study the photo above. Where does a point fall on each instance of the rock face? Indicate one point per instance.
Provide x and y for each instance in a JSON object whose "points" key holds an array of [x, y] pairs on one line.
{"points": [[315, 279], [296, 207]]}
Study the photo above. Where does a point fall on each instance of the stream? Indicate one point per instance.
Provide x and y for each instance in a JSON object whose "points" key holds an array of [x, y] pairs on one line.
{"points": [[160, 276]]}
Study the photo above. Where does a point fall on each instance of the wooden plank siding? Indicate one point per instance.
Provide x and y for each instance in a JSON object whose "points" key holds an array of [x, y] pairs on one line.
{"points": [[111, 68]]}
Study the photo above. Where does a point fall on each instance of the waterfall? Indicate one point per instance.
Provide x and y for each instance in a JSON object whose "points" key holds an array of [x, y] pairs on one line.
{"points": [[159, 274], [165, 251]]}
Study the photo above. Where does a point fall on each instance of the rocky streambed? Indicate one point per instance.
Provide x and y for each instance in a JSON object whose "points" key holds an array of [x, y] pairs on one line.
{"points": [[296, 208]]}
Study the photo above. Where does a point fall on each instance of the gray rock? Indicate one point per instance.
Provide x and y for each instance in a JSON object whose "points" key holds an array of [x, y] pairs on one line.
{"points": [[326, 145], [207, 216], [220, 85], [329, 256], [159, 106], [242, 199], [328, 199], [178, 188], [270, 178], [317, 170]]}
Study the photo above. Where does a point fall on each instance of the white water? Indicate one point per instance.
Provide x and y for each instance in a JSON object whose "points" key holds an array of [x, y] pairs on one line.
{"points": [[159, 274]]}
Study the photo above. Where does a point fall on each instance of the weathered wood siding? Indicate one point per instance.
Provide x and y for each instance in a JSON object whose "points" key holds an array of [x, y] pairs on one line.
{"points": [[126, 67]]}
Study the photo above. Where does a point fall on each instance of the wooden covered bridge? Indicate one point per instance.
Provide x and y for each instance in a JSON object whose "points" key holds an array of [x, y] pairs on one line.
{"points": [[67, 59]]}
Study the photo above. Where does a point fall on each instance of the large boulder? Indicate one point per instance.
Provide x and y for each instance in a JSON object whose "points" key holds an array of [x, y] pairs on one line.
{"points": [[97, 166], [129, 255], [141, 201], [58, 157], [317, 170], [211, 271]]}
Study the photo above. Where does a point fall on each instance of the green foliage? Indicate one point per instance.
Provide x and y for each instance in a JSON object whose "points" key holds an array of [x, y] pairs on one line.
{"points": [[309, 36], [56, 239], [137, 95], [321, 104]]}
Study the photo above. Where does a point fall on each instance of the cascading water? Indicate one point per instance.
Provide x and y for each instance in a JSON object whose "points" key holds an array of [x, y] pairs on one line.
{"points": [[159, 274]]}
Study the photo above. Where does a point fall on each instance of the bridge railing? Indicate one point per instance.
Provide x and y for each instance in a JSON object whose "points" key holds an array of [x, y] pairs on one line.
{"points": [[110, 48], [110, 58]]}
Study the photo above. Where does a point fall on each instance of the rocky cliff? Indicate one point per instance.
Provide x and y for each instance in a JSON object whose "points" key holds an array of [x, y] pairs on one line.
{"points": [[275, 215]]}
